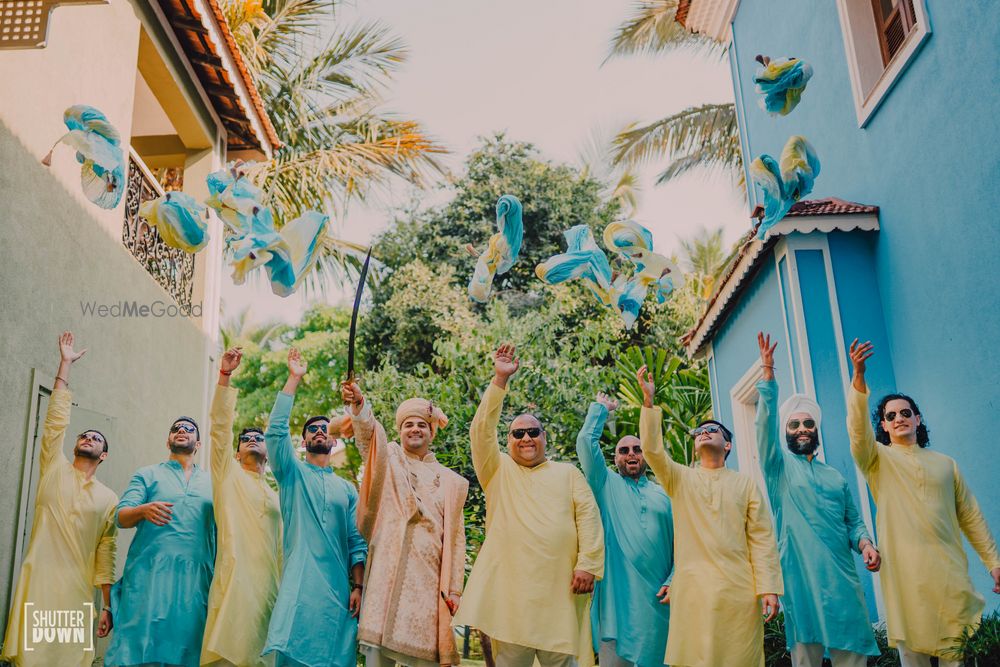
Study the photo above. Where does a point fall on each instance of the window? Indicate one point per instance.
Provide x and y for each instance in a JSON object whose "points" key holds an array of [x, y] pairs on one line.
{"points": [[743, 399], [881, 37]]}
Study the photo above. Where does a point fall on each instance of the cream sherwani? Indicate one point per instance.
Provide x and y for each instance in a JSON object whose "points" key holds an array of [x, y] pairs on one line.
{"points": [[72, 546], [542, 523], [725, 556], [410, 512], [248, 560], [924, 507]]}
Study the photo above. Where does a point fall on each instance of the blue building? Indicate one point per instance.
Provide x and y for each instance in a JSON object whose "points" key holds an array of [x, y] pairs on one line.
{"points": [[902, 112]]}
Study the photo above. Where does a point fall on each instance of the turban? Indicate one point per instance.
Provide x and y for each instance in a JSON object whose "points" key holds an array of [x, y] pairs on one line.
{"points": [[800, 403], [424, 409]]}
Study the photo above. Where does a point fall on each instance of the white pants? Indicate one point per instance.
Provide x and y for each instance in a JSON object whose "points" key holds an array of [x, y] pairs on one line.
{"points": [[908, 658], [811, 655], [514, 655], [608, 656]]}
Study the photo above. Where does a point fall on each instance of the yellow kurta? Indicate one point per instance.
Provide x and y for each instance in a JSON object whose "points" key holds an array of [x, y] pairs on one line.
{"points": [[72, 546], [542, 523], [248, 560], [725, 556], [924, 507]]}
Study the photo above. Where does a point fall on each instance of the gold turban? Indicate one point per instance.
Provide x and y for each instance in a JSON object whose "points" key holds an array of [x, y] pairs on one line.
{"points": [[424, 409]]}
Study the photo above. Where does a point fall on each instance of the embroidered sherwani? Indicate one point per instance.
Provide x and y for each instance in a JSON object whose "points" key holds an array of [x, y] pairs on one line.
{"points": [[542, 523], [248, 562], [410, 511], [725, 557], [639, 553], [72, 546], [924, 507]]}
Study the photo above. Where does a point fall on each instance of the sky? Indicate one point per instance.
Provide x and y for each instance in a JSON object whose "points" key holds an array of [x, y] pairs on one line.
{"points": [[535, 70]]}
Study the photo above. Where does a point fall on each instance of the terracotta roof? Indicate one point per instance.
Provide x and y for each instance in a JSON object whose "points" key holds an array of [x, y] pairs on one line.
{"points": [[682, 12], [747, 260], [215, 77]]}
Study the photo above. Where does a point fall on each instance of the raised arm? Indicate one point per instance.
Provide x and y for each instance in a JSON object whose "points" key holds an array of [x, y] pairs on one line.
{"points": [[223, 414], [589, 534], [772, 460], [280, 452], [588, 442], [976, 530], [60, 404], [667, 471], [483, 432], [864, 449]]}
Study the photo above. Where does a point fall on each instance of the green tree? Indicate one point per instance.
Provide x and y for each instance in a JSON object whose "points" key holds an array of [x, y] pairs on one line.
{"points": [[704, 136], [321, 84]]}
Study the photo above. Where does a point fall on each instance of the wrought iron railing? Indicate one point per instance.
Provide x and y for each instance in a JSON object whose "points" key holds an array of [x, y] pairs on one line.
{"points": [[172, 268]]}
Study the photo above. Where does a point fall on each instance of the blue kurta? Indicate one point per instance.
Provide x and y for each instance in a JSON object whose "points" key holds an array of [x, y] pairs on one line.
{"points": [[160, 603], [818, 526], [311, 623], [638, 553]]}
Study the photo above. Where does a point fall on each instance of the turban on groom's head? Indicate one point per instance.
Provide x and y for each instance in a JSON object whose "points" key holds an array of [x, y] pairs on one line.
{"points": [[424, 409]]}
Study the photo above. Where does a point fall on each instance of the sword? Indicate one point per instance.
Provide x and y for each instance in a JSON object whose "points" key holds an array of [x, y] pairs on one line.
{"points": [[354, 317]]}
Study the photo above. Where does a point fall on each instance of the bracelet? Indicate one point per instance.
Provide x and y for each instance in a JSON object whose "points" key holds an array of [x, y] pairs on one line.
{"points": [[767, 365], [357, 586], [65, 381], [222, 372]]}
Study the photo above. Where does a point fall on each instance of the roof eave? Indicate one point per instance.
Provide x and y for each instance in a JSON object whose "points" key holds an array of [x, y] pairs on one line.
{"points": [[711, 18]]}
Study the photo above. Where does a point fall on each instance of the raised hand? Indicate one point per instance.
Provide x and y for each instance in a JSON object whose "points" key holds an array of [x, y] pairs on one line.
{"points": [[351, 394], [769, 606], [583, 582], [645, 378], [231, 360], [608, 402], [66, 351], [297, 366], [505, 363], [859, 355], [766, 354]]}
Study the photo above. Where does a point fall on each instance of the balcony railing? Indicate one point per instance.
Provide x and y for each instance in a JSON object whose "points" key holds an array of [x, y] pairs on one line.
{"points": [[172, 268]]}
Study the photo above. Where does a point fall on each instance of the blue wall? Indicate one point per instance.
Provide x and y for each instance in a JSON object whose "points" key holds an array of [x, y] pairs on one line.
{"points": [[929, 159]]}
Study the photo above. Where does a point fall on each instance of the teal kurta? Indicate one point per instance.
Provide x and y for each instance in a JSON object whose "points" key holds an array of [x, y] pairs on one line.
{"points": [[161, 601], [638, 553], [311, 623], [818, 526]]}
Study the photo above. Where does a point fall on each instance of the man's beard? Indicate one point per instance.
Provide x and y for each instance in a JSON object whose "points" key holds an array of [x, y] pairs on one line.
{"points": [[802, 449], [625, 473], [324, 447], [177, 448], [92, 454]]}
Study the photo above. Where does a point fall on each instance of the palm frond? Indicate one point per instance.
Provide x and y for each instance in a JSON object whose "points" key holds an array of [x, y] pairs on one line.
{"points": [[651, 28], [682, 133]]}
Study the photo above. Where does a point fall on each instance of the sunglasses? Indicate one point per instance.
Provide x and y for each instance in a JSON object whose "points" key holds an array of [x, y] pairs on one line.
{"points": [[518, 433], [251, 437], [793, 424], [314, 428], [90, 435], [636, 449], [707, 428], [182, 426], [891, 416]]}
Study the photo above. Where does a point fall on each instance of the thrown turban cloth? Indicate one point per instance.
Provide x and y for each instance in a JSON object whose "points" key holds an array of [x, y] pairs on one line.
{"points": [[424, 409], [800, 403]]}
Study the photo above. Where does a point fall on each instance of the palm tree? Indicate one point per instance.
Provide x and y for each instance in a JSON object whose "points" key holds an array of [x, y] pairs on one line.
{"points": [[321, 84], [618, 182], [705, 259], [704, 136]]}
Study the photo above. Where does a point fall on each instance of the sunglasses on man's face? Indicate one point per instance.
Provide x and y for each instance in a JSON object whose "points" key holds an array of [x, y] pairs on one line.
{"points": [[182, 426], [793, 424], [315, 428], [518, 433], [251, 437], [707, 428], [891, 416], [95, 437], [624, 449]]}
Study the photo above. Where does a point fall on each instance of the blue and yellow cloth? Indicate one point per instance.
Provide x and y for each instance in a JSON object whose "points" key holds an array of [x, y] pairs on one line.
{"points": [[780, 84], [502, 250], [786, 182]]}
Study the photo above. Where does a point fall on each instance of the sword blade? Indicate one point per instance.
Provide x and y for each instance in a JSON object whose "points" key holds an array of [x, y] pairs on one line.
{"points": [[354, 316]]}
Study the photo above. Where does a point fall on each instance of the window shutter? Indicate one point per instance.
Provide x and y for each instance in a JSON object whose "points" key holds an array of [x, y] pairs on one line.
{"points": [[894, 19]]}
